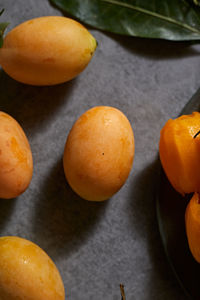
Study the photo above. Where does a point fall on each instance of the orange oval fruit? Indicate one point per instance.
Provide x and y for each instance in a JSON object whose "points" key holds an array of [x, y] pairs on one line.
{"points": [[192, 223], [179, 151], [27, 272], [99, 153], [16, 162], [46, 51]]}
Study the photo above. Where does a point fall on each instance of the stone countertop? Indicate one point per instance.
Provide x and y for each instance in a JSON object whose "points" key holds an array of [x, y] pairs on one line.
{"points": [[97, 246]]}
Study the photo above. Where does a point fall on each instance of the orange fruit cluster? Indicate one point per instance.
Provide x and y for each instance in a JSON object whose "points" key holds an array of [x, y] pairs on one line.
{"points": [[179, 151]]}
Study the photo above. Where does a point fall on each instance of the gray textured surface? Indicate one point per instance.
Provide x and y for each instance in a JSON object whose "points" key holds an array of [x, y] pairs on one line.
{"points": [[97, 246]]}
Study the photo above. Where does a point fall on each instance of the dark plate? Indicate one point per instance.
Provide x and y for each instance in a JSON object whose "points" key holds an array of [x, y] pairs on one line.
{"points": [[170, 213]]}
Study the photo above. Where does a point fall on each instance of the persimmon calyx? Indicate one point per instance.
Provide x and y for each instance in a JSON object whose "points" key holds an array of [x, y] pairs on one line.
{"points": [[194, 137]]}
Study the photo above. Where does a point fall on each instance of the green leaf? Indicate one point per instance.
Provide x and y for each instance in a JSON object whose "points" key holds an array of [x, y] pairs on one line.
{"points": [[165, 19], [197, 2], [2, 29]]}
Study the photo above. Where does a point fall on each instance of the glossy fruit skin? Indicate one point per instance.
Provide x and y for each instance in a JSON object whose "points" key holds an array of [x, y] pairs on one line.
{"points": [[179, 151], [27, 272], [99, 153], [16, 162], [47, 50], [192, 224]]}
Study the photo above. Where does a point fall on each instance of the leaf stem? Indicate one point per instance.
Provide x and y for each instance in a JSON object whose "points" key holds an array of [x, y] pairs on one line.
{"points": [[153, 14], [122, 292]]}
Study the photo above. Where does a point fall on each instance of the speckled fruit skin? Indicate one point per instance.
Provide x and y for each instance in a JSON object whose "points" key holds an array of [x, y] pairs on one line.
{"points": [[47, 50], [16, 162], [27, 272], [99, 153]]}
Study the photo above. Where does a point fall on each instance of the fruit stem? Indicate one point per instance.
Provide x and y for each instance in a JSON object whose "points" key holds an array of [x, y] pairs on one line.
{"points": [[194, 137], [122, 292]]}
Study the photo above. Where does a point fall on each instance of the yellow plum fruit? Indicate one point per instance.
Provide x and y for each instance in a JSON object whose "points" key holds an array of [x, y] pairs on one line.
{"points": [[27, 272], [16, 163], [99, 153], [47, 50]]}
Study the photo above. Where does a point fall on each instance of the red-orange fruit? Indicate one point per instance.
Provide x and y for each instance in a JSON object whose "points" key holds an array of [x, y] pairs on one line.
{"points": [[179, 150], [192, 223]]}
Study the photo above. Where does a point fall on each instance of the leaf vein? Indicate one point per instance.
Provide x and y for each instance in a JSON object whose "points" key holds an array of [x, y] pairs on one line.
{"points": [[153, 14]]}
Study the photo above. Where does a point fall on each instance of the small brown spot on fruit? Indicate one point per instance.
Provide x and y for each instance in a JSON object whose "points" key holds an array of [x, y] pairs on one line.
{"points": [[49, 60]]}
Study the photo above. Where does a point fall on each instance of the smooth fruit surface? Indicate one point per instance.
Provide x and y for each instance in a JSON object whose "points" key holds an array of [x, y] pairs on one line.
{"points": [[180, 152], [47, 50], [192, 223], [99, 153], [27, 272], [16, 163]]}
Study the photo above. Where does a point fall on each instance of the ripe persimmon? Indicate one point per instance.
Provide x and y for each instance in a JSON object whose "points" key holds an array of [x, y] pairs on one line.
{"points": [[179, 151], [192, 224]]}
